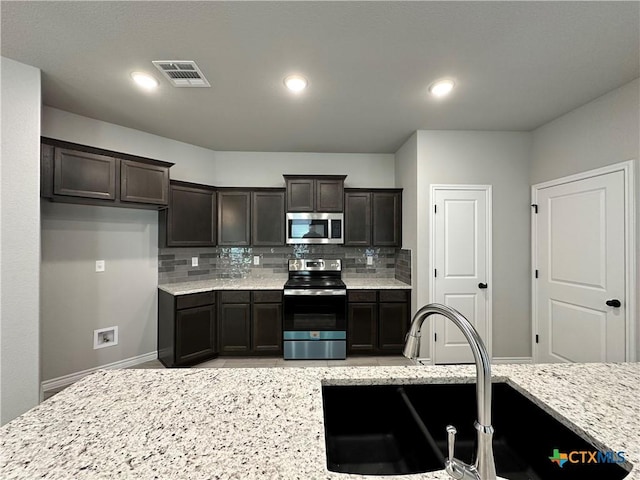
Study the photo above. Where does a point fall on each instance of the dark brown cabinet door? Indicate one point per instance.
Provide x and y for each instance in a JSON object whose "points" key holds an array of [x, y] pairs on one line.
{"points": [[301, 194], [234, 218], [81, 174], [362, 328], [144, 183], [195, 334], [267, 228], [235, 328], [392, 326], [191, 217], [387, 219], [357, 219], [329, 195], [266, 335]]}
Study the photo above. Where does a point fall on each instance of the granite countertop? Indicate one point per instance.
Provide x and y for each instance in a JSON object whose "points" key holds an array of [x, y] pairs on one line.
{"points": [[267, 423], [273, 282]]}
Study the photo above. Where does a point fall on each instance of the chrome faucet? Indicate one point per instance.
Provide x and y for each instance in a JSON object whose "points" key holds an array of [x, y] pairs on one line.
{"points": [[484, 467]]}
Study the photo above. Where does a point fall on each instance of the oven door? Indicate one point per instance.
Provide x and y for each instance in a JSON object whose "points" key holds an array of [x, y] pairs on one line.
{"points": [[315, 310], [315, 324]]}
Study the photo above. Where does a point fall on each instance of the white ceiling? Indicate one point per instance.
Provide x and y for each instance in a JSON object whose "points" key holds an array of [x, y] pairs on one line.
{"points": [[517, 65]]}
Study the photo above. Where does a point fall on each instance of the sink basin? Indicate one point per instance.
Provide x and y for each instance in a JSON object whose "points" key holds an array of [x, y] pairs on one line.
{"points": [[394, 430]]}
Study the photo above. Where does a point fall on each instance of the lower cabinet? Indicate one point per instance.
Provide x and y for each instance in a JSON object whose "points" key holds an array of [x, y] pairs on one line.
{"points": [[186, 328], [377, 322], [251, 322]]}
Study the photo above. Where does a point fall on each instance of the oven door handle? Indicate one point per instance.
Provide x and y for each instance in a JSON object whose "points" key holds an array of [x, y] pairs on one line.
{"points": [[314, 291]]}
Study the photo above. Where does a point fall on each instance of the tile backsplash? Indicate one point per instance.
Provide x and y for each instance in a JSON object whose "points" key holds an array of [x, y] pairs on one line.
{"points": [[174, 264]]}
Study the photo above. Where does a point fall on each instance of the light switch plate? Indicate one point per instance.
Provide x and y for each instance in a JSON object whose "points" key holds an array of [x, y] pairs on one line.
{"points": [[369, 260], [99, 265], [194, 261], [256, 259]]}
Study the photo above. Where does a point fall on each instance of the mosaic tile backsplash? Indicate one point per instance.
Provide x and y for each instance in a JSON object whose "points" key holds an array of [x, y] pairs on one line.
{"points": [[174, 264]]}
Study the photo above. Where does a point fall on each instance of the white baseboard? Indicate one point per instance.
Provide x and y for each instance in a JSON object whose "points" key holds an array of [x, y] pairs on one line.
{"points": [[66, 380], [499, 360]]}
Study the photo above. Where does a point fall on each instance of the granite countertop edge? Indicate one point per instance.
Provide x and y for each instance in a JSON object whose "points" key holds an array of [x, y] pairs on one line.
{"points": [[255, 423], [273, 283]]}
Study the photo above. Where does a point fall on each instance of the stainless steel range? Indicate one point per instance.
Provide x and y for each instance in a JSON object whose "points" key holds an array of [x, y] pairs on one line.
{"points": [[315, 310]]}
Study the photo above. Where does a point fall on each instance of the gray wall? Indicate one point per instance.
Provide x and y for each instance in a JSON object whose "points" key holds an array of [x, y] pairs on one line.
{"points": [[19, 240], [600, 133], [500, 159], [76, 300], [406, 168]]}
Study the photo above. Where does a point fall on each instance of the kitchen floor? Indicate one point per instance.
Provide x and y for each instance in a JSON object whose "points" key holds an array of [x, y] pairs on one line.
{"points": [[262, 362]]}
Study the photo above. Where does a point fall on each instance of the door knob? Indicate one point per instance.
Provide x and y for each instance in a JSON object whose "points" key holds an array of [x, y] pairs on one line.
{"points": [[614, 303], [482, 285]]}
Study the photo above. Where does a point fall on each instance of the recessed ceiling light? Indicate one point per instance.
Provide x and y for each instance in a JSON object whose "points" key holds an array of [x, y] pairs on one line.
{"points": [[295, 83], [145, 80], [441, 88]]}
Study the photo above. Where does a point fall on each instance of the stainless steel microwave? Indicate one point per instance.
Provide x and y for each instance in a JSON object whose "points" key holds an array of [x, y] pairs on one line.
{"points": [[315, 228]]}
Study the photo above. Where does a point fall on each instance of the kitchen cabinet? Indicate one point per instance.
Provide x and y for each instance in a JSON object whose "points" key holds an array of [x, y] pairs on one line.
{"points": [[186, 328], [373, 217], [251, 322], [357, 218], [82, 174], [268, 217], [266, 323], [143, 183], [318, 193], [234, 218], [377, 321], [190, 220]]}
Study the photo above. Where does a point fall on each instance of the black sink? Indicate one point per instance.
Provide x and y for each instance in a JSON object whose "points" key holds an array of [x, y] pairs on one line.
{"points": [[394, 430]]}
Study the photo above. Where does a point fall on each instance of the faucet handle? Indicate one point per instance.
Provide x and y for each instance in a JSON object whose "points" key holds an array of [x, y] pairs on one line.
{"points": [[451, 439]]}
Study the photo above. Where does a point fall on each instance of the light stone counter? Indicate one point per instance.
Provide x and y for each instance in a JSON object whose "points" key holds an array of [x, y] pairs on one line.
{"points": [[268, 423], [374, 284], [273, 282]]}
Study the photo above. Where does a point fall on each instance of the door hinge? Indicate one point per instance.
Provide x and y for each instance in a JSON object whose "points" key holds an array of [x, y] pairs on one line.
{"points": [[537, 338], [536, 273], [535, 207], [435, 272]]}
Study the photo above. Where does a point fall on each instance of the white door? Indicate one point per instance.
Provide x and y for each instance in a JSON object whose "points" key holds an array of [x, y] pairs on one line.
{"points": [[461, 279], [581, 266]]}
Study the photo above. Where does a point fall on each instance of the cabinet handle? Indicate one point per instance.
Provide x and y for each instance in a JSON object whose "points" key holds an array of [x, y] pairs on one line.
{"points": [[614, 303], [482, 285]]}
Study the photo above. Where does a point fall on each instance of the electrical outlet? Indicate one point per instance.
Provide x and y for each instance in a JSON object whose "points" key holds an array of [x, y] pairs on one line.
{"points": [[369, 260], [105, 337], [256, 259], [194, 261], [99, 265]]}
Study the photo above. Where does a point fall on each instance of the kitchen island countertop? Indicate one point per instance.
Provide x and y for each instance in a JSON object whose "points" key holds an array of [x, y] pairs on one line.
{"points": [[268, 423]]}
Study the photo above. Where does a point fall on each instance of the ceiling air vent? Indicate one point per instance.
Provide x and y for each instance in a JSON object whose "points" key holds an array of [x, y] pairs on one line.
{"points": [[182, 73]]}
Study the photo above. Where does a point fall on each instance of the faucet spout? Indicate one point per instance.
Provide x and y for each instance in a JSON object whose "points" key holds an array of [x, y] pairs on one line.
{"points": [[484, 467]]}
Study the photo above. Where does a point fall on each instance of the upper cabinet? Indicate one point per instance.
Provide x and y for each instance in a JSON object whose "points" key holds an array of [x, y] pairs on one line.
{"points": [[267, 213], [373, 217], [190, 220], [234, 217], [317, 193], [81, 174]]}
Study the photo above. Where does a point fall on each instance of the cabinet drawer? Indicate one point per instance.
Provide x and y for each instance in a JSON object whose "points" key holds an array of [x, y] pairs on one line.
{"points": [[361, 296], [195, 300], [394, 295], [235, 297], [267, 296]]}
